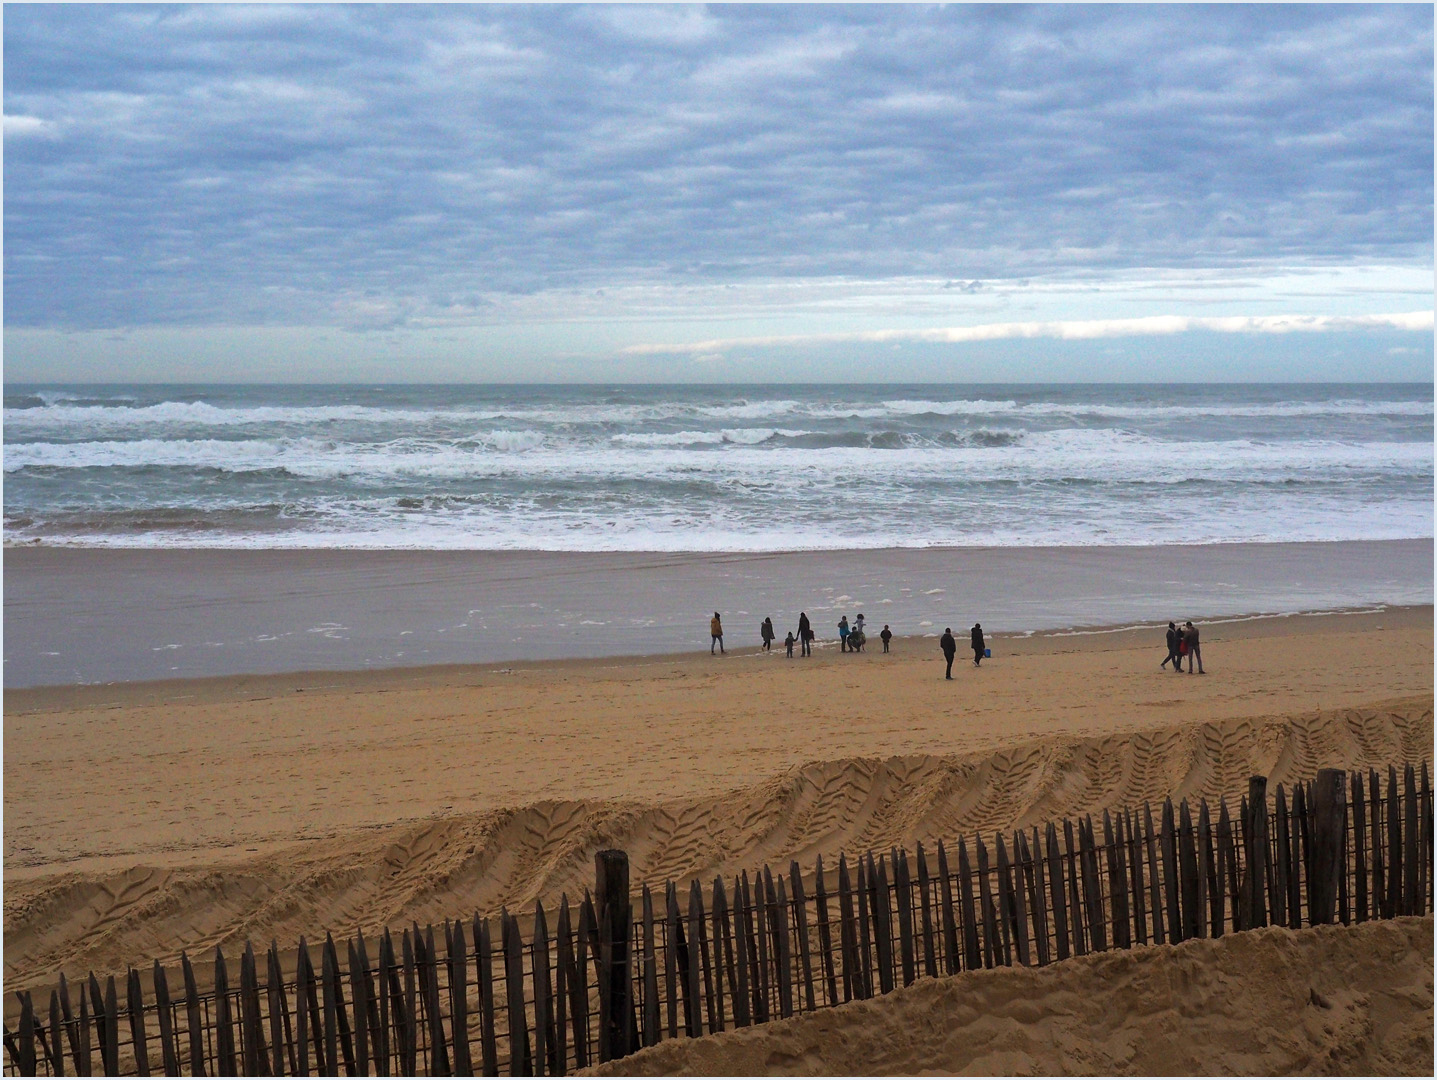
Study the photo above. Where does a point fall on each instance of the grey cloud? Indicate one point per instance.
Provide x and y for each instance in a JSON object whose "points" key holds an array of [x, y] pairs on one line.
{"points": [[301, 164]]}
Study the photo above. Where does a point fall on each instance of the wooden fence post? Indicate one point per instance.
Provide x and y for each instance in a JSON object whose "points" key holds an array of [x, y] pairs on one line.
{"points": [[1394, 847], [1326, 808], [972, 956], [951, 956], [925, 913], [805, 954], [1057, 891], [611, 891], [1361, 888], [1255, 854], [1410, 817]]}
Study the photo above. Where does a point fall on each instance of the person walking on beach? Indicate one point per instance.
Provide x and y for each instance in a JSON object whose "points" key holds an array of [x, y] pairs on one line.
{"points": [[1173, 655], [1190, 636], [843, 634], [716, 633], [887, 636], [766, 632], [950, 649], [978, 645], [788, 644], [805, 634]]}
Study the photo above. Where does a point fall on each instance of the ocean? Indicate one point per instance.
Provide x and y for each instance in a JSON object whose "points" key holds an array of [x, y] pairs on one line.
{"points": [[714, 468]]}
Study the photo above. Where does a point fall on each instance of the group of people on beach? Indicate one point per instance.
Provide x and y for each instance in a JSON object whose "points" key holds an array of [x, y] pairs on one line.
{"points": [[1183, 642], [851, 638]]}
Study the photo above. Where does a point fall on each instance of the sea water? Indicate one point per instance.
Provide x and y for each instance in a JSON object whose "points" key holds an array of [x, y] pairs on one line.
{"points": [[716, 468]]}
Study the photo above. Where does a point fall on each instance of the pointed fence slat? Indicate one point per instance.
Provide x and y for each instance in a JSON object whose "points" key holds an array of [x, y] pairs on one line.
{"points": [[1057, 892], [1207, 876], [1122, 931], [252, 1042], [1135, 872], [86, 1060], [760, 955], [57, 1047], [881, 912], [783, 947], [723, 952], [546, 1058], [972, 955], [865, 940], [521, 1061], [903, 895], [805, 955], [1171, 895], [572, 988], [951, 955], [1092, 886], [701, 963], [135, 1007], [1155, 891], [991, 949], [650, 1027], [1076, 903], [1410, 847], [1394, 848], [688, 971], [925, 913], [825, 935], [848, 934], [742, 988], [1032, 859]]}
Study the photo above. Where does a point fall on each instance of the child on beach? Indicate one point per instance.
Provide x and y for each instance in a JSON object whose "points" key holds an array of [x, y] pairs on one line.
{"points": [[887, 636], [843, 634], [788, 644]]}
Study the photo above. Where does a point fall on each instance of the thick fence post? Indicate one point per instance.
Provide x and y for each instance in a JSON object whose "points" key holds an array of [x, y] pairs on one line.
{"points": [[611, 892], [1255, 854], [1327, 800]]}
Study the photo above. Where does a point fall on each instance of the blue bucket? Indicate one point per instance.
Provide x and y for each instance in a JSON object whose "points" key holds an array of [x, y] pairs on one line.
{"points": [[987, 654]]}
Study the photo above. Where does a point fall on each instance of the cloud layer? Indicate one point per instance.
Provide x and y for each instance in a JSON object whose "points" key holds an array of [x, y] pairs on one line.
{"points": [[357, 166]]}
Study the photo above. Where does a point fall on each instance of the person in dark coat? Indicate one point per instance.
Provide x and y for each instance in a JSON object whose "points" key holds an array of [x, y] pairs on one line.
{"points": [[765, 631], [887, 636], [805, 634], [1190, 635], [1173, 657], [978, 645], [950, 649]]}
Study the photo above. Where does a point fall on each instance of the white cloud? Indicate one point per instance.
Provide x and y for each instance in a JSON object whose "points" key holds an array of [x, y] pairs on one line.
{"points": [[1063, 330], [20, 126]]}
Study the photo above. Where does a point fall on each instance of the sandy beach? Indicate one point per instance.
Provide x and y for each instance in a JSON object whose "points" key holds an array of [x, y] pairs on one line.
{"points": [[149, 817]]}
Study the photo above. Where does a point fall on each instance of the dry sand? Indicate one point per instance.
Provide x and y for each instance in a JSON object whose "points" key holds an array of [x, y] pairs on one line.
{"points": [[1347, 1001], [145, 818]]}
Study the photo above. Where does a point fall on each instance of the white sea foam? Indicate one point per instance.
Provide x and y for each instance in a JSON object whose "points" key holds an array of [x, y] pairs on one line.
{"points": [[562, 469]]}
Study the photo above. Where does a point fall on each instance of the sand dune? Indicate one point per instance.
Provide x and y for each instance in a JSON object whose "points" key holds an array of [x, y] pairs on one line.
{"points": [[457, 864], [1326, 1001]]}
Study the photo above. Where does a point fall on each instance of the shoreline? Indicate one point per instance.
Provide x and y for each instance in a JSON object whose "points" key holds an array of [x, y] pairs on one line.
{"points": [[98, 616], [26, 700]]}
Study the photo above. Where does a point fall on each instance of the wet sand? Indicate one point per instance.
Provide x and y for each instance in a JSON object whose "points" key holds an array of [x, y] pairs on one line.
{"points": [[98, 616]]}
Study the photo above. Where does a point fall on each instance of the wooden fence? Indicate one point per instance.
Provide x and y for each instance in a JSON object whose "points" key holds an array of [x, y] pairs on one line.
{"points": [[617, 972]]}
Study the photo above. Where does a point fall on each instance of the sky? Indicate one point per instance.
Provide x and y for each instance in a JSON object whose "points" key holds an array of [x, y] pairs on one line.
{"points": [[751, 193]]}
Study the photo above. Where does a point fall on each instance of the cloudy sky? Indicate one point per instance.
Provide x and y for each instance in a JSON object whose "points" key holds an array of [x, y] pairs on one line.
{"points": [[757, 192]]}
